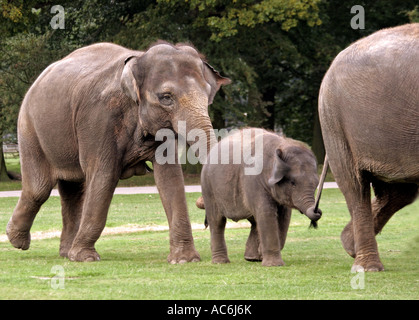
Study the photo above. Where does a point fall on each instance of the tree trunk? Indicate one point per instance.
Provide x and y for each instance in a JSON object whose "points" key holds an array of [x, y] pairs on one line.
{"points": [[269, 95], [3, 171]]}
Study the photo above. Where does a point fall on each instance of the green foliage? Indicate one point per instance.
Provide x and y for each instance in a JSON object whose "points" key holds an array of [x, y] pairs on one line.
{"points": [[252, 14], [275, 51], [413, 14], [240, 37], [23, 58], [11, 11]]}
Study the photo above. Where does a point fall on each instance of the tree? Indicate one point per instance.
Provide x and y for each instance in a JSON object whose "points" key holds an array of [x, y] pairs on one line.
{"points": [[240, 37], [23, 57], [275, 51], [29, 44]]}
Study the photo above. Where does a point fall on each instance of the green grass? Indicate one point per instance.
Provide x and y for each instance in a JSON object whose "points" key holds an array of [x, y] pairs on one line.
{"points": [[134, 266]]}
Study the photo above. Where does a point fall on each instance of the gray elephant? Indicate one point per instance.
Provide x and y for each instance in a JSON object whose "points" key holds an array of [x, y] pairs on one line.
{"points": [[287, 178], [369, 113], [90, 119]]}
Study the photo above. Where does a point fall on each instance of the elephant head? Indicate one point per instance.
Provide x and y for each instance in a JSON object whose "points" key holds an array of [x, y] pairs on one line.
{"points": [[294, 179], [173, 83]]}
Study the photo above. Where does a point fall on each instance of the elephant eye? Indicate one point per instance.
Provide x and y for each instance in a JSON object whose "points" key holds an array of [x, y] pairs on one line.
{"points": [[165, 98]]}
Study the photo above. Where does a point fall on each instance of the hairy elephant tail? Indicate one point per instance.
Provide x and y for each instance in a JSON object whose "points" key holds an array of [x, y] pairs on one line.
{"points": [[200, 203]]}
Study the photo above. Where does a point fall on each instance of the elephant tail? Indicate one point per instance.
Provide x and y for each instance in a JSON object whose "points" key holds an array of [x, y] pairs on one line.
{"points": [[200, 203]]}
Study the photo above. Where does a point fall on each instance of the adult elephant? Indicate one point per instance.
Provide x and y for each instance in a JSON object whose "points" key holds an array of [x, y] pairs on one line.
{"points": [[369, 113], [90, 119]]}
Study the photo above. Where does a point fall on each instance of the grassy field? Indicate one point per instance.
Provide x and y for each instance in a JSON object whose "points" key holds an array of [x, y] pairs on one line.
{"points": [[134, 266]]}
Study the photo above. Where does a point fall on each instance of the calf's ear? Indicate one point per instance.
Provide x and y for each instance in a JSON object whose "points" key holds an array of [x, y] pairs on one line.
{"points": [[131, 78], [279, 169]]}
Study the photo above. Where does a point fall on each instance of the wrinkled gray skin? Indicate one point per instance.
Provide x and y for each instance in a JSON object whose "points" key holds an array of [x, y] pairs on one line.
{"points": [[369, 113], [90, 120], [288, 180]]}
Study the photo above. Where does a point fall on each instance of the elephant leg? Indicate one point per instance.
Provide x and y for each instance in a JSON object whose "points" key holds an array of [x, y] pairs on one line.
{"points": [[355, 186], [72, 205], [98, 195], [347, 239], [18, 228], [267, 222], [389, 198], [169, 182], [217, 224], [252, 252], [365, 250], [284, 219], [36, 189]]}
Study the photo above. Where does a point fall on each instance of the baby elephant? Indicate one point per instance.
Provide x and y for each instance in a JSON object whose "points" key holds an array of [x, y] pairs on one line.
{"points": [[281, 174]]}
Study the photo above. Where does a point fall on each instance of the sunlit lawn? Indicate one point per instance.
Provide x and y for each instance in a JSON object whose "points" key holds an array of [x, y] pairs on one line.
{"points": [[134, 266]]}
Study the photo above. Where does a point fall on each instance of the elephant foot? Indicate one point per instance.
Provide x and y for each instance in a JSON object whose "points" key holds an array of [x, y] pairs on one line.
{"points": [[252, 254], [347, 239], [18, 239], [367, 262], [64, 251], [273, 262], [66, 243], [218, 260], [83, 255], [183, 255], [253, 259]]}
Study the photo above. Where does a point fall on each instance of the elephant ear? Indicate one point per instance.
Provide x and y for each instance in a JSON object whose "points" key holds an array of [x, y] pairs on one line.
{"points": [[131, 78], [215, 80], [279, 169]]}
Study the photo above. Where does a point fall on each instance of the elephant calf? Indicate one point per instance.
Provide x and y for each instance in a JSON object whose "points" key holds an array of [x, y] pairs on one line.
{"points": [[287, 179]]}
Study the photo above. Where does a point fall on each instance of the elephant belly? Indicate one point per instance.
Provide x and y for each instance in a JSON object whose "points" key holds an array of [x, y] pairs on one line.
{"points": [[231, 205], [236, 213], [398, 174], [136, 170], [390, 162]]}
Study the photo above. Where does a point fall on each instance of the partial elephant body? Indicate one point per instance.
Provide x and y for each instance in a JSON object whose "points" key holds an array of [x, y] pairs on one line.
{"points": [[90, 120], [288, 180], [73, 106], [369, 113]]}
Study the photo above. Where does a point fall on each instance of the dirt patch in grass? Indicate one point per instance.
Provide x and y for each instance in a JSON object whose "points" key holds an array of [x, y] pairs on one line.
{"points": [[129, 228]]}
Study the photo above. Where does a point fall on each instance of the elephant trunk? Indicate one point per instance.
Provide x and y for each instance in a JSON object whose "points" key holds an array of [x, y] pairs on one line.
{"points": [[308, 208], [313, 215], [198, 133], [205, 140]]}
